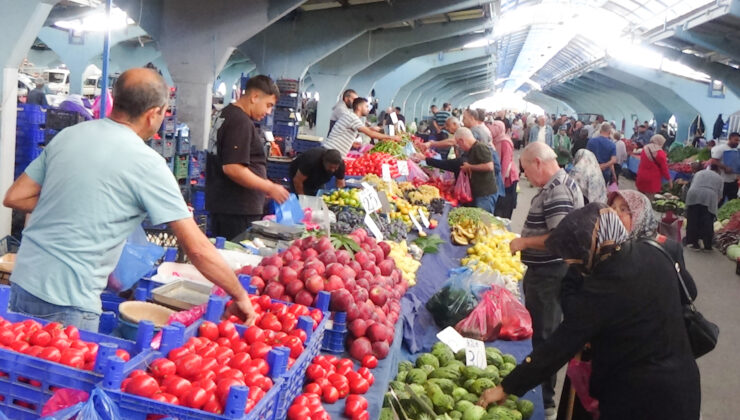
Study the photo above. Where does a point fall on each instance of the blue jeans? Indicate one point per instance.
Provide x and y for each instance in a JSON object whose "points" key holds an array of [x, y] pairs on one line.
{"points": [[26, 303], [487, 203]]}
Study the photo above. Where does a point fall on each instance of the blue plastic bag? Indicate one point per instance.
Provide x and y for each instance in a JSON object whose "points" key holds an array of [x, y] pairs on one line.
{"points": [[137, 258], [98, 407], [290, 212]]}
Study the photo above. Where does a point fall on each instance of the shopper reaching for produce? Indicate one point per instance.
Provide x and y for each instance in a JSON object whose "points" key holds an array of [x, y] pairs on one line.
{"points": [[344, 134], [558, 196], [86, 193], [628, 307]]}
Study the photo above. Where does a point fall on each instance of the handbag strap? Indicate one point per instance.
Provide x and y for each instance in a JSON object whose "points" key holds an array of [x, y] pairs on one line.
{"points": [[676, 265]]}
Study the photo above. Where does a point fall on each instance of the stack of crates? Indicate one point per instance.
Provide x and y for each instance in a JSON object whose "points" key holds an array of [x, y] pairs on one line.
{"points": [[285, 126], [29, 135]]}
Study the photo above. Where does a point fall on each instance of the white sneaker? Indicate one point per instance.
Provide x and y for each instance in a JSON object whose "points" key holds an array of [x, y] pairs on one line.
{"points": [[551, 413]]}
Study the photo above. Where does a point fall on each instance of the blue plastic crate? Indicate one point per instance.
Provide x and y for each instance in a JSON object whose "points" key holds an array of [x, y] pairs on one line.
{"points": [[133, 407], [27, 156], [50, 374], [288, 101], [288, 85], [278, 169], [110, 302], [29, 135], [31, 114], [300, 145], [183, 145], [284, 115], [285, 130], [49, 135], [335, 334]]}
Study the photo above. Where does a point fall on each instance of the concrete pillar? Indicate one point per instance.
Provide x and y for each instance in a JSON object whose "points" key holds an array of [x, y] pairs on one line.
{"points": [[78, 56], [196, 39], [19, 24]]}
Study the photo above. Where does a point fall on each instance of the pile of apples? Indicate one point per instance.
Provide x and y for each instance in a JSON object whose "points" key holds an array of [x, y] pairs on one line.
{"points": [[367, 286]]}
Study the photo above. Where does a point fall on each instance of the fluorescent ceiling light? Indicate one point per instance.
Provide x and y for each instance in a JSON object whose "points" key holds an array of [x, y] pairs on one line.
{"points": [[483, 42], [97, 21]]}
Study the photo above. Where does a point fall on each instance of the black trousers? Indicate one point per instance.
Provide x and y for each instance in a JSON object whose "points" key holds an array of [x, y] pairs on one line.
{"points": [[505, 205], [729, 192], [231, 225], [542, 286], [699, 225]]}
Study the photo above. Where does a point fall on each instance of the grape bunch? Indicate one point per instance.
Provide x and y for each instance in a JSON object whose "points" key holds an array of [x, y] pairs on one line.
{"points": [[436, 206], [396, 229], [348, 219]]}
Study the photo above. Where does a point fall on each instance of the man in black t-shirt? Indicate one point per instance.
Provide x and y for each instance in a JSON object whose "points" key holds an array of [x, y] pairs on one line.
{"points": [[236, 172], [314, 168], [479, 166]]}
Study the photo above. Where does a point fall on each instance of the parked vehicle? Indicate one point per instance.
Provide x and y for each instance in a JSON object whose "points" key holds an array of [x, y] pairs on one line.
{"points": [[57, 80]]}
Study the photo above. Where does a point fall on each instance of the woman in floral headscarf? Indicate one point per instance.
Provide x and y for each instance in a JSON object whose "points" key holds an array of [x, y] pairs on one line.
{"points": [[509, 171], [627, 306], [588, 176]]}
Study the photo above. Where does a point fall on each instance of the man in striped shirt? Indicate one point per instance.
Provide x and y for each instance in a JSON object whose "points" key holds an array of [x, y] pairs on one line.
{"points": [[559, 195], [346, 131]]}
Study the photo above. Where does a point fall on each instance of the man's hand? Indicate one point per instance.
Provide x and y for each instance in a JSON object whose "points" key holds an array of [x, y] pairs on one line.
{"points": [[278, 193], [395, 138], [243, 310], [517, 244], [492, 395], [466, 167]]}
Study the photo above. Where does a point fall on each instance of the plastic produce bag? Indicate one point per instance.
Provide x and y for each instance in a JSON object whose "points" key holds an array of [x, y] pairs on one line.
{"points": [[108, 105], [455, 300], [63, 399], [579, 373], [485, 321], [290, 212], [137, 258], [415, 173], [517, 323], [98, 407], [462, 191]]}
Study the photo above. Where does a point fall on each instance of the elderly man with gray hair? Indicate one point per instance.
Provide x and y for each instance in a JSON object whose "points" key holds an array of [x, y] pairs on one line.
{"points": [[606, 152], [558, 195], [479, 166]]}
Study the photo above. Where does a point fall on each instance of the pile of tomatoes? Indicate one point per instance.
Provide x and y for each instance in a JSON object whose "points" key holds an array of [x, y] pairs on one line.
{"points": [[372, 163], [200, 373], [332, 379], [52, 342]]}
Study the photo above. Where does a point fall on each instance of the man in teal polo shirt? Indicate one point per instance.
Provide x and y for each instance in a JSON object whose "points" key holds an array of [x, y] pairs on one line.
{"points": [[87, 192]]}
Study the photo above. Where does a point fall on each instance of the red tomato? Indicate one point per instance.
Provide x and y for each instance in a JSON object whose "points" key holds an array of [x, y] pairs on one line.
{"points": [[240, 361], [298, 412], [137, 372], [208, 330], [224, 354], [20, 346], [206, 374], [34, 351], [220, 370], [53, 326], [232, 373], [239, 346], [259, 350], [365, 373], [73, 357], [40, 338], [208, 385], [63, 343], [178, 353], [92, 353], [301, 400], [315, 371], [354, 405], [208, 351], [223, 341], [213, 405], [270, 322], [362, 415], [300, 334], [265, 301], [209, 363], [264, 383], [312, 388], [336, 378], [295, 346], [359, 386], [162, 367], [196, 397], [166, 398], [317, 315], [189, 365], [176, 386], [321, 415], [369, 361], [344, 369], [261, 365], [359, 398], [7, 337], [143, 385], [123, 355], [51, 354], [227, 329], [329, 394], [72, 332], [223, 386]]}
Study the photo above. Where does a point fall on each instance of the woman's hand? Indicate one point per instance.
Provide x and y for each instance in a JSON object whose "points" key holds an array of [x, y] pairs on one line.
{"points": [[492, 395]]}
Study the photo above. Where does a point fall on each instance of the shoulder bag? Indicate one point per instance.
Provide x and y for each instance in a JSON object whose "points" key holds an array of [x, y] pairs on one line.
{"points": [[702, 333]]}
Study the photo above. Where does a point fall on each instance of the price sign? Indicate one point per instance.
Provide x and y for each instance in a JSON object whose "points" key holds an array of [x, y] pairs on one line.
{"points": [[297, 116], [391, 130], [386, 170], [475, 353], [452, 338], [401, 126], [268, 136], [370, 223], [394, 117], [403, 167], [385, 206], [369, 200], [424, 219], [415, 222]]}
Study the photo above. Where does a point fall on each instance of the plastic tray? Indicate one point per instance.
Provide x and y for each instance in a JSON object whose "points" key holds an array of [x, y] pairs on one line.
{"points": [[50, 374], [182, 294]]}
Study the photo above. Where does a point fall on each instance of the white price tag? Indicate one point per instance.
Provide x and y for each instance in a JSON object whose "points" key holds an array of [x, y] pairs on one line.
{"points": [[452, 338], [403, 167], [369, 200], [475, 353], [268, 136], [391, 130], [386, 170], [297, 116], [424, 219], [394, 117], [401, 126], [385, 205], [415, 222], [370, 223]]}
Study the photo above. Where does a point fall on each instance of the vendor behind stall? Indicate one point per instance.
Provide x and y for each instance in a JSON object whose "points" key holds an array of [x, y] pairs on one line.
{"points": [[346, 131], [86, 196], [314, 168]]}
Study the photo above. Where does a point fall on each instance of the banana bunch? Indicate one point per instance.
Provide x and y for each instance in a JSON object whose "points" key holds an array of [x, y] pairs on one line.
{"points": [[470, 232], [404, 261], [462, 236]]}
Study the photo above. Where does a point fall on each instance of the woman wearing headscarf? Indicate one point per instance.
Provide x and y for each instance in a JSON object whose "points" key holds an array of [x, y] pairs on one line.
{"points": [[505, 204], [653, 167], [627, 306], [637, 216], [581, 141], [587, 174]]}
